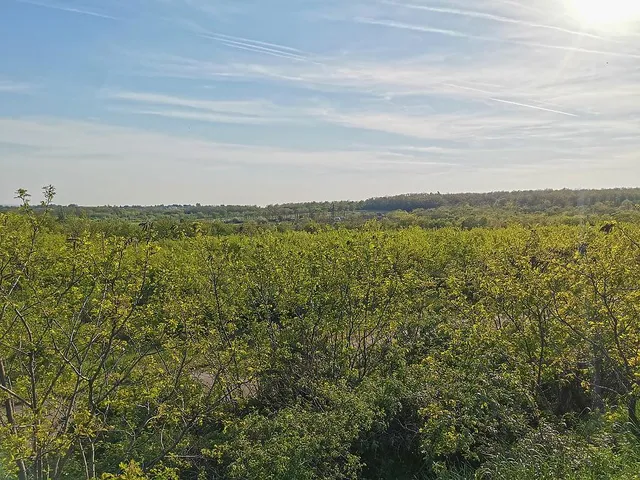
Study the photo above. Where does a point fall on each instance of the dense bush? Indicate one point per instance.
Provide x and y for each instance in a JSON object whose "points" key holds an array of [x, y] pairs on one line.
{"points": [[325, 353]]}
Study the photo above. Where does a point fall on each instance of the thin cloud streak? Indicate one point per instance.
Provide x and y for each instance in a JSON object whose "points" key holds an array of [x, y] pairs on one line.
{"points": [[570, 49], [254, 48], [225, 111], [458, 34], [491, 17], [532, 79], [204, 116], [471, 89], [77, 140], [416, 28], [508, 101], [273, 54], [266, 44], [532, 106], [257, 46], [244, 106], [7, 86], [69, 9]]}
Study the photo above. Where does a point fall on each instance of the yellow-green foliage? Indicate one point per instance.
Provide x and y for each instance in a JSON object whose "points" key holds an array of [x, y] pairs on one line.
{"points": [[325, 353]]}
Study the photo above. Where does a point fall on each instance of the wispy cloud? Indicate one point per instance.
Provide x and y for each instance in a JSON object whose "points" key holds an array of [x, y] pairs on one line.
{"points": [[568, 48], [9, 86], [508, 40], [244, 40], [518, 104], [248, 108], [246, 44], [65, 8], [148, 166], [197, 116], [256, 48], [83, 142], [574, 86], [491, 17], [482, 128], [416, 28], [224, 111], [485, 129]]}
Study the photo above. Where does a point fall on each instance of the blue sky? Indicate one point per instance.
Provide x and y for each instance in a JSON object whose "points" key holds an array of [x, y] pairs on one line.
{"points": [[258, 102]]}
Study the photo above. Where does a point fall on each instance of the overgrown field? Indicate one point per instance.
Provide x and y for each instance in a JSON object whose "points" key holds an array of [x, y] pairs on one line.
{"points": [[364, 353]]}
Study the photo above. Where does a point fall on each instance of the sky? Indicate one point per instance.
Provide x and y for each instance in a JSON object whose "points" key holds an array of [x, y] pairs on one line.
{"points": [[270, 101]]}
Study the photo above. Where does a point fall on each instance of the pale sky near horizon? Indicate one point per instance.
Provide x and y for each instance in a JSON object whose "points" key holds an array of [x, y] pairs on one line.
{"points": [[272, 101]]}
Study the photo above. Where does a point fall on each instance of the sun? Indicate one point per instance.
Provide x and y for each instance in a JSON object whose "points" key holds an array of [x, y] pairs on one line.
{"points": [[605, 14]]}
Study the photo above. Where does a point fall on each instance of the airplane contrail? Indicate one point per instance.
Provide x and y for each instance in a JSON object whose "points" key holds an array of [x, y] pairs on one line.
{"points": [[271, 53], [68, 9], [458, 34], [256, 48], [489, 16], [532, 106], [267, 44]]}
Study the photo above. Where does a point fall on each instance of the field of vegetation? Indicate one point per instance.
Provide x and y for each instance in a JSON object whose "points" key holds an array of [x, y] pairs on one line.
{"points": [[477, 336]]}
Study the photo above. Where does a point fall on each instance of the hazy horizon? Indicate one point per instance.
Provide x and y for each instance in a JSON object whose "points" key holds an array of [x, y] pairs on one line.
{"points": [[183, 101], [35, 198]]}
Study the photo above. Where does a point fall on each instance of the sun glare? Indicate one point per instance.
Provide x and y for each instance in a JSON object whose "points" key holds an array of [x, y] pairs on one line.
{"points": [[609, 14]]}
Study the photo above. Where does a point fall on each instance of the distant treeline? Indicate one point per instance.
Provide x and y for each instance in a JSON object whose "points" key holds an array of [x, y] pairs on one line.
{"points": [[531, 200], [523, 201]]}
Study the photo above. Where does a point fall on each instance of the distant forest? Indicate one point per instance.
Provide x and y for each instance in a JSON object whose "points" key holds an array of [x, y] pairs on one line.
{"points": [[525, 201], [426, 210]]}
